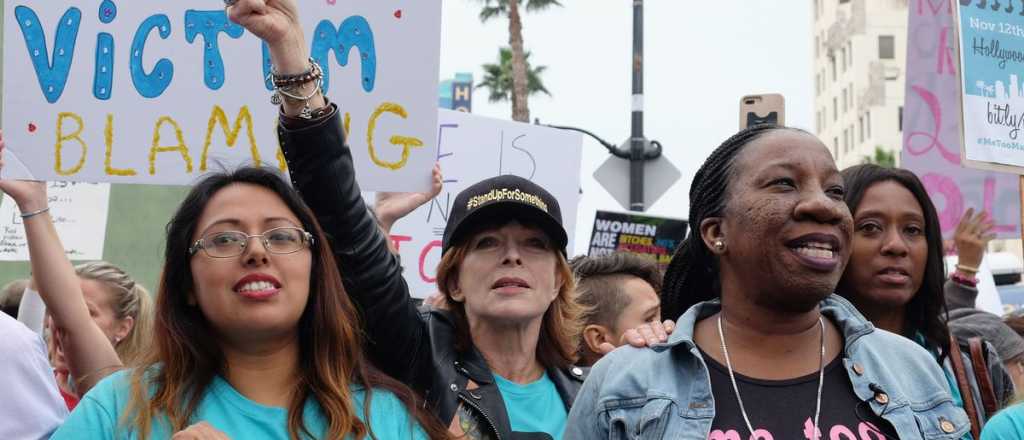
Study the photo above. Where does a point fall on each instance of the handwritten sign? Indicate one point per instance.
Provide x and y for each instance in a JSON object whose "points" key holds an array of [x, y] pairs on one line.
{"points": [[472, 148], [651, 237], [79, 212], [159, 92], [931, 128], [991, 41]]}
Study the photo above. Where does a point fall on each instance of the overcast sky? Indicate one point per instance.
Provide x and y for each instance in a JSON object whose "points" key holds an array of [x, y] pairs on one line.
{"points": [[700, 58]]}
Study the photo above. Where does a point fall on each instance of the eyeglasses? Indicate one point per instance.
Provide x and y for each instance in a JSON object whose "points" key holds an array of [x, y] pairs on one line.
{"points": [[229, 244]]}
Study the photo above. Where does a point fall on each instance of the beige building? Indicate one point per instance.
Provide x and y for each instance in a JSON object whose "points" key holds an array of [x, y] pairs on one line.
{"points": [[859, 73]]}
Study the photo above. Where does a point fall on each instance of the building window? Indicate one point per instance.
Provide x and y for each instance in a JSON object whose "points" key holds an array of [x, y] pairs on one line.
{"points": [[849, 51], [886, 47], [846, 103], [835, 147], [850, 131], [832, 63], [860, 130], [846, 141], [842, 62], [843, 1], [817, 122], [901, 118], [835, 109], [867, 124], [852, 97]]}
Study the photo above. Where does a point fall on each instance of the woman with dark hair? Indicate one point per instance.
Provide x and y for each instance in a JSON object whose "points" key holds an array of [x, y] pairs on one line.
{"points": [[896, 276], [764, 350], [498, 363], [254, 336]]}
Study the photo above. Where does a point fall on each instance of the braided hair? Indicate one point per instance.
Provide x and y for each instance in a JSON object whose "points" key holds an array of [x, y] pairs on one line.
{"points": [[692, 275]]}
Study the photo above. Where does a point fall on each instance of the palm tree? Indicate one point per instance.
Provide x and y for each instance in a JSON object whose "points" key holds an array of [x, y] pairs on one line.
{"points": [[520, 80], [498, 77]]}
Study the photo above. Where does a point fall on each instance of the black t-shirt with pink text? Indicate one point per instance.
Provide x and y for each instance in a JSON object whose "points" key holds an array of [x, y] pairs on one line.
{"points": [[784, 409]]}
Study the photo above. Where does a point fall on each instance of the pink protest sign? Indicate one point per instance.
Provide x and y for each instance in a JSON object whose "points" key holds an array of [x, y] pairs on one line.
{"points": [[931, 127]]}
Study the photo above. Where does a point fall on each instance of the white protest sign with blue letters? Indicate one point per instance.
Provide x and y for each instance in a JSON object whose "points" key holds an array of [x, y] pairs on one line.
{"points": [[991, 61], [148, 91]]}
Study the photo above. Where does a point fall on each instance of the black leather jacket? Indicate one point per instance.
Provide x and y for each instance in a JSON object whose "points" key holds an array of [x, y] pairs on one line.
{"points": [[416, 348]]}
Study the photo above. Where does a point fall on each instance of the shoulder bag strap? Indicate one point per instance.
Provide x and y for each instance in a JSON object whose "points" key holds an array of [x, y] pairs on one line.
{"points": [[965, 387], [980, 363]]}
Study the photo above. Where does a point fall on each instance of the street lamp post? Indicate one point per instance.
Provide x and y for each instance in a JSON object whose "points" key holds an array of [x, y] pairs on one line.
{"points": [[637, 149], [637, 141]]}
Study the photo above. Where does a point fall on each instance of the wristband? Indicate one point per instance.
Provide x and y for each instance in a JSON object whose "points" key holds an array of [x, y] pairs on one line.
{"points": [[34, 213], [967, 268], [963, 279]]}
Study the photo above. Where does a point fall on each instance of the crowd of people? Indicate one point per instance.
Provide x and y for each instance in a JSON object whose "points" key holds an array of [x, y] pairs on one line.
{"points": [[806, 302]]}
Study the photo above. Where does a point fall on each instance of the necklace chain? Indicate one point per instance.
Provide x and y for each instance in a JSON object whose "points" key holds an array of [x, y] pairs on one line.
{"points": [[736, 389]]}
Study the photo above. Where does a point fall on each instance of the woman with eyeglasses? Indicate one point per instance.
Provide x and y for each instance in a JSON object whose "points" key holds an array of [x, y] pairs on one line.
{"points": [[254, 337], [498, 363]]}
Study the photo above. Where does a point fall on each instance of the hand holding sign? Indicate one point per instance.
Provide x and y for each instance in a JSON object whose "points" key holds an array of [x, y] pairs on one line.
{"points": [[29, 195], [391, 206], [276, 22]]}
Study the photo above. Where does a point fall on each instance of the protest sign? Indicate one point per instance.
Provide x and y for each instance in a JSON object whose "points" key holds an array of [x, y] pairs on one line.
{"points": [[991, 42], [159, 92], [931, 128], [472, 148], [652, 237], [79, 212]]}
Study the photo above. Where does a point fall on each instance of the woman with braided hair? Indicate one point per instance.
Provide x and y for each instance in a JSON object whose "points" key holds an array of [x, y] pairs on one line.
{"points": [[762, 348]]}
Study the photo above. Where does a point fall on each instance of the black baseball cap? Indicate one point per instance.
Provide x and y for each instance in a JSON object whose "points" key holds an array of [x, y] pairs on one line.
{"points": [[504, 198]]}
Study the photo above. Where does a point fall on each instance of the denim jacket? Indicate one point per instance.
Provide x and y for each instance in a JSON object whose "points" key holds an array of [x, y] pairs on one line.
{"points": [[665, 391]]}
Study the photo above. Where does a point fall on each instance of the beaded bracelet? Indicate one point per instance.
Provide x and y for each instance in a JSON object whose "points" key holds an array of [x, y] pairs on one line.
{"points": [[285, 85], [964, 280], [313, 73]]}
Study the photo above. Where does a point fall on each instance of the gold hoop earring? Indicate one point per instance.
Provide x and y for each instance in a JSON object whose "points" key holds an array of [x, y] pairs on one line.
{"points": [[719, 245]]}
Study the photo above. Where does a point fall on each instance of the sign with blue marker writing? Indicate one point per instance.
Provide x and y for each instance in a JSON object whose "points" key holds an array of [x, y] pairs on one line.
{"points": [[148, 91], [991, 38]]}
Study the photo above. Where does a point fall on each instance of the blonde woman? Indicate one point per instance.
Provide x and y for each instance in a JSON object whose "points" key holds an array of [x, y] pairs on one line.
{"points": [[120, 307]]}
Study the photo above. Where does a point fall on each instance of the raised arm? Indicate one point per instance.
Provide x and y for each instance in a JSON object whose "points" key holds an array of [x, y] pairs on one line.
{"points": [[321, 169], [971, 237], [276, 22], [89, 353]]}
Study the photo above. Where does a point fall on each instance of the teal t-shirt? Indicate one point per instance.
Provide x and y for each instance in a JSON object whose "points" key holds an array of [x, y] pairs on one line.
{"points": [[99, 412], [534, 407], [1008, 424]]}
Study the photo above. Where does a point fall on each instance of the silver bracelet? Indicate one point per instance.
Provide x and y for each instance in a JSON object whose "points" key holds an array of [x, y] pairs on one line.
{"points": [[35, 213], [314, 74]]}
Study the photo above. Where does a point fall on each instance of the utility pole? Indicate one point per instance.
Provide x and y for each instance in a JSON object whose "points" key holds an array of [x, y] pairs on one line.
{"points": [[637, 149], [636, 140]]}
